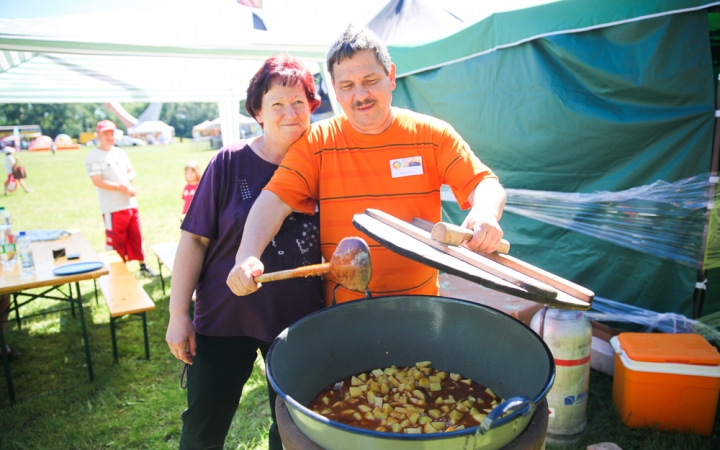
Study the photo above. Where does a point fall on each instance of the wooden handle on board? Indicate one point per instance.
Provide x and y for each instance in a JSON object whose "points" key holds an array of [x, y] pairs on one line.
{"points": [[454, 235], [306, 271], [464, 254], [562, 285]]}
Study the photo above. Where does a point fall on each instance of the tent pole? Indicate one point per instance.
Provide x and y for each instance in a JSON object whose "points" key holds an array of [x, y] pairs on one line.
{"points": [[330, 89], [229, 120]]}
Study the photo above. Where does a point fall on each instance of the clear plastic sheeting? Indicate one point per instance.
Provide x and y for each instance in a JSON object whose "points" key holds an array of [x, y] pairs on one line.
{"points": [[662, 219], [604, 310], [711, 320], [712, 250]]}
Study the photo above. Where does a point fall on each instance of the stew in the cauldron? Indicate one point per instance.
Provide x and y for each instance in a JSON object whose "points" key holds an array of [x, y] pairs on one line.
{"points": [[409, 400]]}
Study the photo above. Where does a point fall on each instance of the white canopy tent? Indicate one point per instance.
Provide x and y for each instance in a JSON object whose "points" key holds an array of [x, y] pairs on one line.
{"points": [[73, 78], [192, 52], [205, 130], [61, 78], [151, 126], [161, 51], [404, 21], [192, 28], [153, 131]]}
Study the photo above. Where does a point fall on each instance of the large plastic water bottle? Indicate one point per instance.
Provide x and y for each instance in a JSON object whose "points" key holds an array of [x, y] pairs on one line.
{"points": [[568, 334], [26, 257], [8, 251]]}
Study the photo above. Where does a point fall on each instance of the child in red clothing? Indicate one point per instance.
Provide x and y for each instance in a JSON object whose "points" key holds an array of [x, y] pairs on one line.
{"points": [[192, 176]]}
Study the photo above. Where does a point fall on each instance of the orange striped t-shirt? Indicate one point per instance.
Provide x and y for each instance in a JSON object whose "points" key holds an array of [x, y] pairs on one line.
{"points": [[348, 172]]}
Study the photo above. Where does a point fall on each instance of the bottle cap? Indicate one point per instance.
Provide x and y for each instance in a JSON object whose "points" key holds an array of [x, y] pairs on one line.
{"points": [[22, 233]]}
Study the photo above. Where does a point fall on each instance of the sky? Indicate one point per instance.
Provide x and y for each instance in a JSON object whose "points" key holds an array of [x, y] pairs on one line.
{"points": [[42, 8], [312, 22], [361, 10]]}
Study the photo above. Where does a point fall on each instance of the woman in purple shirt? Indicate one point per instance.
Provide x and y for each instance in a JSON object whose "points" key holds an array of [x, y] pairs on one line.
{"points": [[220, 344]]}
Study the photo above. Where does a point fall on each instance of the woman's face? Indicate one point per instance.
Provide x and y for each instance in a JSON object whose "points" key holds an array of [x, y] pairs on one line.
{"points": [[285, 113]]}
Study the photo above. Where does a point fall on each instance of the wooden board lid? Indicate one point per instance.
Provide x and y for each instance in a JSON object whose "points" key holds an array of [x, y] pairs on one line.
{"points": [[436, 255]]}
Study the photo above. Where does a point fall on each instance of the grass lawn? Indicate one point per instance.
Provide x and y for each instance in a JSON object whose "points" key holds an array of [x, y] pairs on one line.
{"points": [[136, 404]]}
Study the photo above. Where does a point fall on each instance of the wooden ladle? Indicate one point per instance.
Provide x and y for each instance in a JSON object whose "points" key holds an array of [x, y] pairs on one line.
{"points": [[350, 264]]}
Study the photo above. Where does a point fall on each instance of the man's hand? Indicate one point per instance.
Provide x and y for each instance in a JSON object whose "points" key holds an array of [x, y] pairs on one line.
{"points": [[128, 189], [131, 191], [180, 337], [241, 278], [486, 231], [488, 200]]}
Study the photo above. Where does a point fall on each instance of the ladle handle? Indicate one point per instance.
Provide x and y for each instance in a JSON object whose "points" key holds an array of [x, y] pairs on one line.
{"points": [[496, 419], [306, 271]]}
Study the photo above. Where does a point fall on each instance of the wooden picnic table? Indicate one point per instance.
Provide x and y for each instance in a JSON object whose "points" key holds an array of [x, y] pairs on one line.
{"points": [[165, 253], [14, 283]]}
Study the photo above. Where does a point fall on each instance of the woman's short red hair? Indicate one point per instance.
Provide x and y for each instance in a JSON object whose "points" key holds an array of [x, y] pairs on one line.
{"points": [[286, 70]]}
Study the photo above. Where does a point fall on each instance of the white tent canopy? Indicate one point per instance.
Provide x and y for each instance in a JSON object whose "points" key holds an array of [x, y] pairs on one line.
{"points": [[160, 51], [72, 78], [404, 21], [151, 126], [64, 78], [184, 51], [212, 28]]}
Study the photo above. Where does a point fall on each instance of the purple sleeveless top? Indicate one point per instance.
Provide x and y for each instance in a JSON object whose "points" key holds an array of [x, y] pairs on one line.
{"points": [[228, 188]]}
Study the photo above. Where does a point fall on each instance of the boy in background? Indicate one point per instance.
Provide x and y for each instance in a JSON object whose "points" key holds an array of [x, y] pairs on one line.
{"points": [[112, 173]]}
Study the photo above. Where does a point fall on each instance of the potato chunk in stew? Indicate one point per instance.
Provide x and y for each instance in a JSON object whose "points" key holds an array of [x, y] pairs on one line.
{"points": [[412, 400]]}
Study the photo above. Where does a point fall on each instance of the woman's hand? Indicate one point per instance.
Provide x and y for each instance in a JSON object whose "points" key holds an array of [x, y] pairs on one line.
{"points": [[180, 337], [241, 278]]}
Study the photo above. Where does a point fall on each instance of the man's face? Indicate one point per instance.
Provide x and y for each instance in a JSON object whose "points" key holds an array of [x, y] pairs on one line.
{"points": [[107, 138], [364, 91]]}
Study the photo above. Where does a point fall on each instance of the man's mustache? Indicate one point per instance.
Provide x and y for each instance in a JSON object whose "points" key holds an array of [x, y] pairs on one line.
{"points": [[365, 103]]}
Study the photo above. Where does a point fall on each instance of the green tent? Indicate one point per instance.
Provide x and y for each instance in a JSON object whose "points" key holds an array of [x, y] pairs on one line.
{"points": [[579, 96]]}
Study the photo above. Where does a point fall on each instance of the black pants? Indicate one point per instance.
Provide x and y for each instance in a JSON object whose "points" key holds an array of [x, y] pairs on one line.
{"points": [[221, 367]]}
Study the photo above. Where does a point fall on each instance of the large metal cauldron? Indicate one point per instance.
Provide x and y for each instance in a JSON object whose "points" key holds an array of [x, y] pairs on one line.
{"points": [[478, 342]]}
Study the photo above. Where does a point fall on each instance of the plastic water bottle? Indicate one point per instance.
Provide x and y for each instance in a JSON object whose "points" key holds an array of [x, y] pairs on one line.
{"points": [[25, 252], [568, 334], [8, 251]]}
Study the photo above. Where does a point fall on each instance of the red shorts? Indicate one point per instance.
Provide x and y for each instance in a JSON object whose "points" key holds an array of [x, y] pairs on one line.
{"points": [[8, 186], [122, 234]]}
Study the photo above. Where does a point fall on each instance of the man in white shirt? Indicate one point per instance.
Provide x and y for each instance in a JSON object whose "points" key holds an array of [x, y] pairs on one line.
{"points": [[112, 173]]}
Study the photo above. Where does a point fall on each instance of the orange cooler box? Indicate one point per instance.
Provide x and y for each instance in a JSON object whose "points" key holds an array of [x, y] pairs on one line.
{"points": [[666, 380]]}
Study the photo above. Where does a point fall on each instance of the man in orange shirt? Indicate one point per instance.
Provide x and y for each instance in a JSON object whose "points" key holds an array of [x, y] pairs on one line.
{"points": [[373, 156]]}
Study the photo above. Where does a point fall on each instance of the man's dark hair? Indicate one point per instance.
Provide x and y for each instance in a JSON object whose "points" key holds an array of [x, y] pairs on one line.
{"points": [[354, 40]]}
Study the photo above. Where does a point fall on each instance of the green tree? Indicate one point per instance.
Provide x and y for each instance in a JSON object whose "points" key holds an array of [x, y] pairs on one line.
{"points": [[72, 118], [57, 118]]}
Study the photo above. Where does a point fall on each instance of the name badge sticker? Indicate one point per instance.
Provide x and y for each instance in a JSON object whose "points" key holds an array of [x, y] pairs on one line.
{"points": [[406, 167]]}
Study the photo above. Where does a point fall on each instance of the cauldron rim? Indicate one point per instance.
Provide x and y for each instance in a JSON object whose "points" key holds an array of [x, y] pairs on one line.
{"points": [[399, 436]]}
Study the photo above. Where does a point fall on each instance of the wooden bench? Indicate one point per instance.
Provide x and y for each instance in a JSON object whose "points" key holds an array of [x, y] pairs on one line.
{"points": [[165, 253], [124, 296]]}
